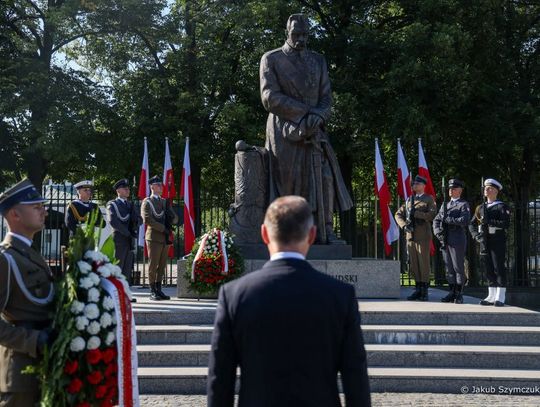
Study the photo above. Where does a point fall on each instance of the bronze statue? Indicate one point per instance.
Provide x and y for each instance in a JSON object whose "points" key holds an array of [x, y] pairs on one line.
{"points": [[295, 90]]}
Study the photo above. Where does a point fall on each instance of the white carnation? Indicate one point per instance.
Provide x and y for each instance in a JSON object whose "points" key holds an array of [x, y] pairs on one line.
{"points": [[77, 344], [105, 320], [94, 277], [91, 311], [81, 323], [93, 328], [84, 267], [93, 343], [93, 295], [86, 282], [113, 318], [115, 270], [108, 303], [110, 339], [95, 256], [77, 307]]}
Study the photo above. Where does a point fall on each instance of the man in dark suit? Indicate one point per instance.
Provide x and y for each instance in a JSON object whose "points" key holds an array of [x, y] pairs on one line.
{"points": [[290, 328], [124, 220], [78, 210]]}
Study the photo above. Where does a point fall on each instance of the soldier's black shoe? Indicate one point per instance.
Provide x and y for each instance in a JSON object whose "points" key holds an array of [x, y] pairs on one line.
{"points": [[458, 294], [160, 293], [423, 292], [484, 302], [134, 300], [451, 296], [154, 296], [416, 293], [499, 304], [458, 299]]}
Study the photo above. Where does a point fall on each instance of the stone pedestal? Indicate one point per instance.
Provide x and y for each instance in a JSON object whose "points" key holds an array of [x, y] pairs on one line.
{"points": [[371, 278]]}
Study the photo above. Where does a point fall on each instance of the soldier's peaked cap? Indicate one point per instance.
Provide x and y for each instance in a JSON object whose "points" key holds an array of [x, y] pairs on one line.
{"points": [[419, 180], [123, 183], [84, 184], [490, 182], [155, 180], [455, 183], [23, 192]]}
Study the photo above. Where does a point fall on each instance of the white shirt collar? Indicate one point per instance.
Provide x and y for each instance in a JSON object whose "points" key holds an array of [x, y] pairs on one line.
{"points": [[155, 196], [122, 199], [287, 255], [490, 204], [87, 203], [454, 199], [419, 195], [24, 239]]}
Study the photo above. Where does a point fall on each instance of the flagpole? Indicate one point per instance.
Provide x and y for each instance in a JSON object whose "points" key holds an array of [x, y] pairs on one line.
{"points": [[375, 215]]}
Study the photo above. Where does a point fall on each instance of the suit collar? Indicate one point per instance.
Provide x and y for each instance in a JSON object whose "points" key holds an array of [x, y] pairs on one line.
{"points": [[20, 247], [287, 263]]}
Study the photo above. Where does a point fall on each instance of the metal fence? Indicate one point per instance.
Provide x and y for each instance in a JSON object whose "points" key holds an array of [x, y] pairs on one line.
{"points": [[360, 227]]}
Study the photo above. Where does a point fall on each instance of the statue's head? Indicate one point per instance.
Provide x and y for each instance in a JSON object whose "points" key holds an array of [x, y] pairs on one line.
{"points": [[297, 31]]}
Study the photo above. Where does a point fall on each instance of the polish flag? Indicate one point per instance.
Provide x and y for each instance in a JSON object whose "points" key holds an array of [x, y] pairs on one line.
{"points": [[389, 226], [404, 177], [169, 190], [424, 172], [186, 192], [144, 190]]}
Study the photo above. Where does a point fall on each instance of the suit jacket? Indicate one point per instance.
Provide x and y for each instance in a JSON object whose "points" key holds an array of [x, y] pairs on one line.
{"points": [[290, 329], [22, 318], [458, 216], [123, 218], [425, 210], [156, 213]]}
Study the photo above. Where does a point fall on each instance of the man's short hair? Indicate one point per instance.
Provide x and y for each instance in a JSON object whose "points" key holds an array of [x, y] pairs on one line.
{"points": [[288, 219], [301, 19]]}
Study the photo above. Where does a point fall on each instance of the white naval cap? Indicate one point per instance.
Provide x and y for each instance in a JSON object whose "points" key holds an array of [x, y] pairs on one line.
{"points": [[84, 184], [490, 182]]}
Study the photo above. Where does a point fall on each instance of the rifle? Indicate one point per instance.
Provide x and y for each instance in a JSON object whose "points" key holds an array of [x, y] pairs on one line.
{"points": [[410, 217], [445, 213], [483, 227]]}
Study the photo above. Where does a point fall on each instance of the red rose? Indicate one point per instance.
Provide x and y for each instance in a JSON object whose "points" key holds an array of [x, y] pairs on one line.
{"points": [[83, 404], [74, 386], [106, 403], [112, 392], [71, 366], [111, 381], [108, 355], [93, 356], [101, 391], [110, 370], [94, 377]]}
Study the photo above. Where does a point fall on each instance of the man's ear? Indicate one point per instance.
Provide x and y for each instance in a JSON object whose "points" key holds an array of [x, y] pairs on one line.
{"points": [[264, 234], [312, 235]]}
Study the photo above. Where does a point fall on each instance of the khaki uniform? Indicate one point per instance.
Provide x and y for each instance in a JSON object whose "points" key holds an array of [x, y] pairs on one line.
{"points": [[155, 213], [418, 243], [26, 295]]}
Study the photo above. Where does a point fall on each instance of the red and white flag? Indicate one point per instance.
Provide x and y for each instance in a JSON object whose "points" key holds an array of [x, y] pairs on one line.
{"points": [[389, 226], [169, 190], [424, 172], [404, 177], [186, 192], [144, 190]]}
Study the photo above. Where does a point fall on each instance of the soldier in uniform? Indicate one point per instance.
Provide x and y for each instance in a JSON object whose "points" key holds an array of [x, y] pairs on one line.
{"points": [[488, 227], [158, 216], [124, 220], [415, 221], [450, 229], [26, 295], [78, 210]]}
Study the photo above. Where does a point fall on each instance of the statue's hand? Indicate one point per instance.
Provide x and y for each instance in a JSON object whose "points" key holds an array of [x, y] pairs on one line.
{"points": [[313, 121]]}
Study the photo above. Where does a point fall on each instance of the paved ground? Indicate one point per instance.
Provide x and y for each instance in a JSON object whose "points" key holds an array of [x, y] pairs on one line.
{"points": [[381, 399]]}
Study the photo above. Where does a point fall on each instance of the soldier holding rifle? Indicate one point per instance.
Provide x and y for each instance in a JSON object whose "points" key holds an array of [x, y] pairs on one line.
{"points": [[449, 226], [488, 227], [414, 217]]}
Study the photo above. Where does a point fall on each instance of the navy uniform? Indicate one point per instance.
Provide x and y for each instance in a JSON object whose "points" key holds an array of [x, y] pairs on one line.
{"points": [[26, 301], [488, 227], [77, 211], [158, 216], [450, 230], [418, 232], [124, 220]]}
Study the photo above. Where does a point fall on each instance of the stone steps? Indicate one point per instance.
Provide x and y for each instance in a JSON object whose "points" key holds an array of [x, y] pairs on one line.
{"points": [[381, 334], [421, 356], [192, 380]]}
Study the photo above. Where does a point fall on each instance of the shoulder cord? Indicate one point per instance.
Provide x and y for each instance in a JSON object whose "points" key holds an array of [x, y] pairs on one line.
{"points": [[76, 213], [156, 214], [22, 286], [8, 281], [122, 218]]}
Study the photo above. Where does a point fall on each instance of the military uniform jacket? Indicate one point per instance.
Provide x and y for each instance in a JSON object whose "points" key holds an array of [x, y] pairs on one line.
{"points": [[458, 216], [26, 294], [424, 212], [77, 212], [493, 224], [156, 214], [123, 218]]}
